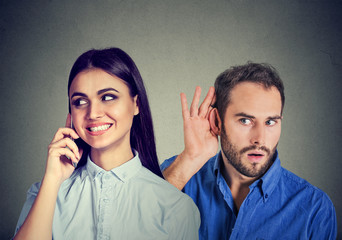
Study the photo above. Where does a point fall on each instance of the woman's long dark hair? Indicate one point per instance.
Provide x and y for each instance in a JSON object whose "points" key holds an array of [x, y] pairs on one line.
{"points": [[116, 62]]}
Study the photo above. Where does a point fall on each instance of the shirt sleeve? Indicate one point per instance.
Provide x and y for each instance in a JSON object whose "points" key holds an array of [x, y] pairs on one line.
{"points": [[167, 163], [323, 220], [184, 221], [31, 196]]}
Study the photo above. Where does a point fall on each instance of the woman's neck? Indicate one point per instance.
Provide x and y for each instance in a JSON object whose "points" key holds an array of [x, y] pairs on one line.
{"points": [[112, 157]]}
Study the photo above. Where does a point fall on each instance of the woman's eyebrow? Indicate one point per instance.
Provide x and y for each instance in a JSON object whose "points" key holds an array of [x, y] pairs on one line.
{"points": [[98, 92], [106, 90], [78, 94]]}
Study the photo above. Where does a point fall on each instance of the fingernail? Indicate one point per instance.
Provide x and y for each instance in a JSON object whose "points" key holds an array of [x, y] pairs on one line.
{"points": [[74, 164]]}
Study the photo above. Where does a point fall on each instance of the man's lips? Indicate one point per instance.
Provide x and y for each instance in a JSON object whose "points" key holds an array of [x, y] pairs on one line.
{"points": [[255, 156]]}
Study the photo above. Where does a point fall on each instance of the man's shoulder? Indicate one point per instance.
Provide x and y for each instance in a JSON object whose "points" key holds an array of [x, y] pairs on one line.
{"points": [[294, 185], [309, 202]]}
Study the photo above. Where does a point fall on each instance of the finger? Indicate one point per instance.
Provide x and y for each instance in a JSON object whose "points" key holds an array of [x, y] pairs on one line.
{"points": [[79, 159], [195, 101], [67, 143], [76, 163], [213, 101], [68, 121], [64, 132], [185, 110], [206, 104], [69, 155]]}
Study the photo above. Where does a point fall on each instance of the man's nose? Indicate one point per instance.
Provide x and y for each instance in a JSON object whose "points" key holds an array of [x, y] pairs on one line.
{"points": [[258, 135]]}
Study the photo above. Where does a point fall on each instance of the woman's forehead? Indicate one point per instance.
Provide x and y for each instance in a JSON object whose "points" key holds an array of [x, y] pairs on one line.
{"points": [[93, 80]]}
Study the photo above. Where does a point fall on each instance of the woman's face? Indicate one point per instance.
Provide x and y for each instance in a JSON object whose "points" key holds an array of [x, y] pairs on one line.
{"points": [[102, 109]]}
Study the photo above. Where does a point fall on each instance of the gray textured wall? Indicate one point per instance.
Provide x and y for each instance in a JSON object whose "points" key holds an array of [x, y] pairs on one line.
{"points": [[176, 45]]}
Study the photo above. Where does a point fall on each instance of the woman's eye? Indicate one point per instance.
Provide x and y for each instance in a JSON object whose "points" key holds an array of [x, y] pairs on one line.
{"points": [[270, 122], [79, 102], [245, 121], [108, 97]]}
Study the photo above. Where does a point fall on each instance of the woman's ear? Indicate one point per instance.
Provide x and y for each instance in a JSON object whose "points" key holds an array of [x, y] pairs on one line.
{"points": [[215, 122], [136, 105]]}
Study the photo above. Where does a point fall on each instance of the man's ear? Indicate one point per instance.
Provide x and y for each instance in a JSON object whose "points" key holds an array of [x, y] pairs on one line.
{"points": [[136, 103], [215, 121]]}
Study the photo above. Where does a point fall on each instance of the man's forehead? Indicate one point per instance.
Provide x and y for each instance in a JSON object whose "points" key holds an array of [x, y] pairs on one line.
{"points": [[254, 98]]}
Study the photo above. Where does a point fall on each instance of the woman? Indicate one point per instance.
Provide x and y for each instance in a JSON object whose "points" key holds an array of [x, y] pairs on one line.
{"points": [[112, 193]]}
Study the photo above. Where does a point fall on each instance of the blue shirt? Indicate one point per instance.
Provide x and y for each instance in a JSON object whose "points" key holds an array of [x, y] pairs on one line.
{"points": [[128, 202], [280, 205]]}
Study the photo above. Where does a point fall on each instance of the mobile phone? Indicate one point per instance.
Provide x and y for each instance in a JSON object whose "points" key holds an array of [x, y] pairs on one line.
{"points": [[78, 141]]}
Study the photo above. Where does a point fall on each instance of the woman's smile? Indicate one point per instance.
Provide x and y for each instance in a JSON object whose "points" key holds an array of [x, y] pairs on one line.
{"points": [[98, 128]]}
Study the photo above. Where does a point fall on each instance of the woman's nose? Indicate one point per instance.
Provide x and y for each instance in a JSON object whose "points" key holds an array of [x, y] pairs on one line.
{"points": [[95, 111]]}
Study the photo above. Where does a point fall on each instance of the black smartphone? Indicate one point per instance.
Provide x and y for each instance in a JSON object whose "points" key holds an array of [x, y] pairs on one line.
{"points": [[78, 141]]}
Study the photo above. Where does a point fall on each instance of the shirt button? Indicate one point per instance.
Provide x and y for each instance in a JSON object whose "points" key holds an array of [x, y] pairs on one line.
{"points": [[266, 196]]}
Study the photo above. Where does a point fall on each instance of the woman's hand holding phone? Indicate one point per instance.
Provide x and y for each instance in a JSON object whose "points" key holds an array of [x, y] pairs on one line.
{"points": [[63, 153]]}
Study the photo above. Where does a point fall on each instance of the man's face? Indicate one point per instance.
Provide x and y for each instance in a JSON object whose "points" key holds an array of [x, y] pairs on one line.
{"points": [[251, 128]]}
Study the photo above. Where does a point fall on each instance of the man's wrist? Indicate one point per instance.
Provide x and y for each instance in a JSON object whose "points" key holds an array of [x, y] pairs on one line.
{"points": [[183, 168]]}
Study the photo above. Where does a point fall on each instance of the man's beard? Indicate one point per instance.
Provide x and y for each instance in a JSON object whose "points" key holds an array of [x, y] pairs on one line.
{"points": [[234, 157]]}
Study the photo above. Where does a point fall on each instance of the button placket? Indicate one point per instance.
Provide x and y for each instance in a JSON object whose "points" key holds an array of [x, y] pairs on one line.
{"points": [[104, 205]]}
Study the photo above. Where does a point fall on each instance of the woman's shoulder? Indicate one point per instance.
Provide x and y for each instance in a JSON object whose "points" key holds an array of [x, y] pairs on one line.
{"points": [[155, 185], [155, 181], [158, 192], [76, 176]]}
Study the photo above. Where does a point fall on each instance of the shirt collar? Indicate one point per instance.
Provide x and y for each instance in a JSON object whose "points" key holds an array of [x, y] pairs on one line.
{"points": [[267, 182], [217, 166], [270, 179], [217, 163], [123, 172]]}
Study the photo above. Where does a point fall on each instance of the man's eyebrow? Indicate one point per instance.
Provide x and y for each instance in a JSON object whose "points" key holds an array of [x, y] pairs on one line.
{"points": [[275, 117], [242, 114], [106, 90]]}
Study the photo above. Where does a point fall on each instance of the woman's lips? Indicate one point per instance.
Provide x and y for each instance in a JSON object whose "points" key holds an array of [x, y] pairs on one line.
{"points": [[98, 129]]}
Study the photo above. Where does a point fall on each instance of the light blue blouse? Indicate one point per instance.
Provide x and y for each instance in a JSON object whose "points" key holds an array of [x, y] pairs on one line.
{"points": [[128, 202]]}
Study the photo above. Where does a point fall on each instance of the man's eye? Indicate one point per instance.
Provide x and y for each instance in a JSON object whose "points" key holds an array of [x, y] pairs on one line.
{"points": [[108, 97], [245, 121], [270, 122]]}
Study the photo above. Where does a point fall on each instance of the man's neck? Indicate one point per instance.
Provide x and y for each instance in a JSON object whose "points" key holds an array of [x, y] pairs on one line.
{"points": [[238, 183]]}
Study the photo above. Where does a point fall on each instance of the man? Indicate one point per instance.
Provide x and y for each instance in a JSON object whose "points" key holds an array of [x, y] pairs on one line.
{"points": [[243, 192]]}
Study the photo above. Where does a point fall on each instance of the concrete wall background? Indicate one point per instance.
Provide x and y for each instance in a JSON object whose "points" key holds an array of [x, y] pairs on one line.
{"points": [[176, 45]]}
